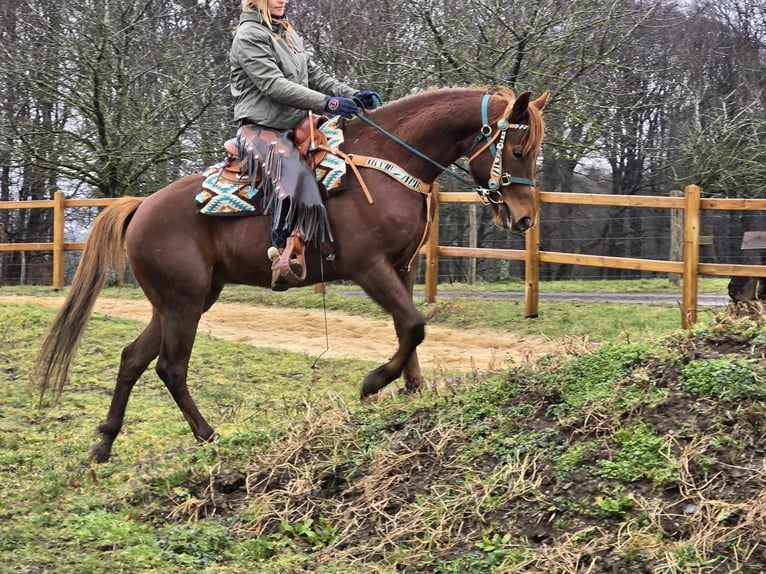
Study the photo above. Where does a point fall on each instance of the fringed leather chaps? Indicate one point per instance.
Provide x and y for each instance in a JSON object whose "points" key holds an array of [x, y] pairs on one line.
{"points": [[274, 165]]}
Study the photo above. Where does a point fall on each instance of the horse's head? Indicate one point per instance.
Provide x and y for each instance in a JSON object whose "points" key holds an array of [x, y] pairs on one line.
{"points": [[505, 159]]}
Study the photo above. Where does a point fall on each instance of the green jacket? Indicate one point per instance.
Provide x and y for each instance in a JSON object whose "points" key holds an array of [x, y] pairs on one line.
{"points": [[274, 81]]}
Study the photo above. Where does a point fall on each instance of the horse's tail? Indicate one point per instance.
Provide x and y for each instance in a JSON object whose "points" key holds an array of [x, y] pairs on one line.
{"points": [[104, 250]]}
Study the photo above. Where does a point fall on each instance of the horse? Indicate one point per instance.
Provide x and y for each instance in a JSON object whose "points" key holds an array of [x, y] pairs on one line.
{"points": [[182, 259], [743, 289]]}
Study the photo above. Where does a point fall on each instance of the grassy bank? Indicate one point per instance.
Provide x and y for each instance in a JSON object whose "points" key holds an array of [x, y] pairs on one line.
{"points": [[645, 455]]}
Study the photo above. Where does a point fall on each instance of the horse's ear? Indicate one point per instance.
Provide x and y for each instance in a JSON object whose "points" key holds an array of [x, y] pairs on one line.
{"points": [[540, 102], [520, 105]]}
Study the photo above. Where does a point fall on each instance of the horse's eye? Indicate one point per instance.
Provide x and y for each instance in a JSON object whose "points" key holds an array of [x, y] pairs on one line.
{"points": [[518, 154]]}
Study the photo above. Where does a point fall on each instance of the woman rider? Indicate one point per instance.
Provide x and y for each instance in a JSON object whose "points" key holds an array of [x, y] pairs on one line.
{"points": [[275, 83]]}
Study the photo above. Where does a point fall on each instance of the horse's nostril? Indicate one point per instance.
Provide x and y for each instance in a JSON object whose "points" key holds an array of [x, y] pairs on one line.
{"points": [[524, 223]]}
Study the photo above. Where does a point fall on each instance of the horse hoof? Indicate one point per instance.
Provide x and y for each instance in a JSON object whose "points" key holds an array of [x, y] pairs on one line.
{"points": [[369, 399], [205, 435], [369, 391], [375, 381], [214, 436], [99, 453]]}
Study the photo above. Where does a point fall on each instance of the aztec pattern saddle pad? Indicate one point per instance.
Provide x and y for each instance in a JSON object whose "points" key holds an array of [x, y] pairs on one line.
{"points": [[221, 196]]}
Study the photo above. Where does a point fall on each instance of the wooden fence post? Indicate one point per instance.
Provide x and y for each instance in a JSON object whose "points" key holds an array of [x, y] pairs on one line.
{"points": [[532, 264], [58, 240], [691, 256], [432, 251]]}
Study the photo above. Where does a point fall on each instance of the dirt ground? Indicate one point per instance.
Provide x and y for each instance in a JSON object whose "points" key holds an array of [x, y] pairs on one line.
{"points": [[336, 335]]}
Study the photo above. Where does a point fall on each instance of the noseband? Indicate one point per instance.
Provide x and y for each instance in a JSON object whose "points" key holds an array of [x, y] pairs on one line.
{"points": [[497, 177]]}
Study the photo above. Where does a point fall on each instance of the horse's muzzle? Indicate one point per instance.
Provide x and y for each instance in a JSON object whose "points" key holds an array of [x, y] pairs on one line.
{"points": [[504, 219], [522, 224]]}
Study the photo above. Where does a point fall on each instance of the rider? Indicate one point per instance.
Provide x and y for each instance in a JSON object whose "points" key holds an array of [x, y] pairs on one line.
{"points": [[275, 83]]}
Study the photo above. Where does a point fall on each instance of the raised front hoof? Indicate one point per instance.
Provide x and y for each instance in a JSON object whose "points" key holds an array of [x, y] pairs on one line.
{"points": [[100, 452]]}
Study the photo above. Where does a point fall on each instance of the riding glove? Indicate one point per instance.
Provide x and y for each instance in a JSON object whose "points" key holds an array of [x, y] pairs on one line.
{"points": [[340, 106], [368, 99]]}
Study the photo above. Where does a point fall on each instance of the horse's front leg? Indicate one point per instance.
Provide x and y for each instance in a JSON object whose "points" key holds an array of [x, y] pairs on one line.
{"points": [[413, 379], [385, 286]]}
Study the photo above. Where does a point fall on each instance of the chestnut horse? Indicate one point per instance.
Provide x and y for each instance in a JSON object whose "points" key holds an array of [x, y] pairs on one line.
{"points": [[182, 259]]}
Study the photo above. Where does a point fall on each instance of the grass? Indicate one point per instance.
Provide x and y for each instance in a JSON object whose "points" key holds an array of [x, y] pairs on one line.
{"points": [[645, 454], [55, 503], [707, 285], [605, 322]]}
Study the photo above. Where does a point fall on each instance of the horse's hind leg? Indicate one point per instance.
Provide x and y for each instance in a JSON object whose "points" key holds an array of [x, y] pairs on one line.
{"points": [[179, 331], [134, 361]]}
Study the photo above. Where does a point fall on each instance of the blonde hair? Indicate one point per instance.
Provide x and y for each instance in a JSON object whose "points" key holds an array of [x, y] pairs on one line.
{"points": [[255, 6]]}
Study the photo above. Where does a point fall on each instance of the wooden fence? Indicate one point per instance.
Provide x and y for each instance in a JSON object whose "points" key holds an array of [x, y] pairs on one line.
{"points": [[59, 203], [691, 205], [689, 268]]}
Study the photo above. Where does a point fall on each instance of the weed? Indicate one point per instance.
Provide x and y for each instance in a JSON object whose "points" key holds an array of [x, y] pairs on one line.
{"points": [[594, 379], [497, 548], [618, 501], [199, 546], [315, 532], [559, 466], [728, 379], [571, 460], [640, 453]]}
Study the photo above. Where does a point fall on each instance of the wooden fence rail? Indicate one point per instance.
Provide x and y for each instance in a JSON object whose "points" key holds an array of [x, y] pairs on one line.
{"points": [[59, 203], [691, 204], [689, 268]]}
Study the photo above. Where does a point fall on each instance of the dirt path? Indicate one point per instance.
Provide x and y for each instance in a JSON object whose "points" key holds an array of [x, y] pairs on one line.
{"points": [[344, 336]]}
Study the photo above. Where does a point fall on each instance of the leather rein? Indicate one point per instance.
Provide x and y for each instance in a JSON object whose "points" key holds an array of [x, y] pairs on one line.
{"points": [[493, 139]]}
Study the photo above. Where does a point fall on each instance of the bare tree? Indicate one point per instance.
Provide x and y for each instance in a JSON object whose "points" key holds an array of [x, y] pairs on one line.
{"points": [[114, 92]]}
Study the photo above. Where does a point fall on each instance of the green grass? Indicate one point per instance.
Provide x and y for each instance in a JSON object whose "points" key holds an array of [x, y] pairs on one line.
{"points": [[63, 514], [598, 322], [711, 285], [601, 459], [707, 285]]}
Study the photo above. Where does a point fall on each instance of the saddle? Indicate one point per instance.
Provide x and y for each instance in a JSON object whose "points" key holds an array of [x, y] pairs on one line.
{"points": [[320, 149], [289, 267], [310, 142]]}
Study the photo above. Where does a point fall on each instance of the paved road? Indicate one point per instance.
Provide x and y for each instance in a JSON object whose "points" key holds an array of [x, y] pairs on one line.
{"points": [[650, 298]]}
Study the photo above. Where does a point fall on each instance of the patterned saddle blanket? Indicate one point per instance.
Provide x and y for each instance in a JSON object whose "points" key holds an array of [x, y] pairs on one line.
{"points": [[222, 196]]}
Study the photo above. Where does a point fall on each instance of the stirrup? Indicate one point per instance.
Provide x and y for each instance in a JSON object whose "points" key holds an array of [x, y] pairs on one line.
{"points": [[290, 265]]}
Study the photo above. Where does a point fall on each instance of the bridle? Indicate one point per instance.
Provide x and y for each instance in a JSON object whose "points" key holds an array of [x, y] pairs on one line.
{"points": [[497, 177]]}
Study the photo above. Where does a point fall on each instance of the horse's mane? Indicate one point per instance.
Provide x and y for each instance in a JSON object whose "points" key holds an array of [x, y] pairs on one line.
{"points": [[432, 103]]}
